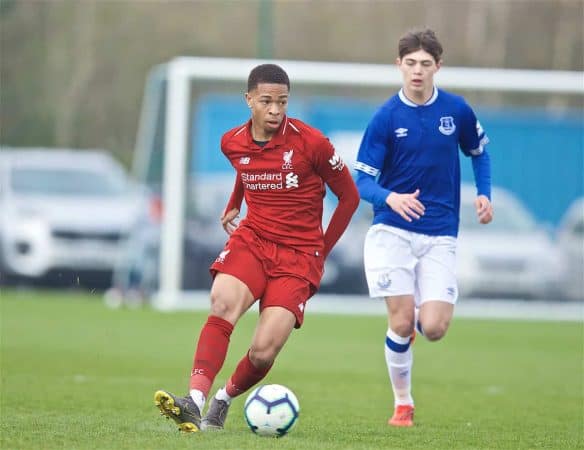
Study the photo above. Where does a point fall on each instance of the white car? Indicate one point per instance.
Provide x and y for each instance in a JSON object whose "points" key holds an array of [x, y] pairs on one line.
{"points": [[512, 256], [571, 242], [63, 210]]}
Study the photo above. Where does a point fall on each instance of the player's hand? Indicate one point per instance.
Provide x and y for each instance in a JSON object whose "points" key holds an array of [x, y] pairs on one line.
{"points": [[484, 209], [406, 205], [228, 220]]}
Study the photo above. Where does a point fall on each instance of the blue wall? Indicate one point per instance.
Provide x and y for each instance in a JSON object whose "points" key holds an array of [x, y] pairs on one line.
{"points": [[537, 155]]}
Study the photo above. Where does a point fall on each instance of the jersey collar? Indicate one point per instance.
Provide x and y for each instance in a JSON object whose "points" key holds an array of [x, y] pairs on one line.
{"points": [[407, 101], [278, 139]]}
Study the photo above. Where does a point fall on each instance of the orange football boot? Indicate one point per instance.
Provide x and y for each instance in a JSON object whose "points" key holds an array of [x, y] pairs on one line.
{"points": [[403, 416]]}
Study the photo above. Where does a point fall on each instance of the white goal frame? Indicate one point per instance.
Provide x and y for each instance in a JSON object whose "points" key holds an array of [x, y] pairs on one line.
{"points": [[180, 72]]}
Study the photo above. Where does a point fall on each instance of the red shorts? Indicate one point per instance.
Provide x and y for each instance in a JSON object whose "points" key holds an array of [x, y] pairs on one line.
{"points": [[275, 274]]}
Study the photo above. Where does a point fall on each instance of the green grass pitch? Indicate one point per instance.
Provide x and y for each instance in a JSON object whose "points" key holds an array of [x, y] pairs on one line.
{"points": [[77, 375]]}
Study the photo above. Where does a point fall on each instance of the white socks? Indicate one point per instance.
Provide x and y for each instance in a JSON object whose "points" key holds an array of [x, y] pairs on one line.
{"points": [[198, 398], [222, 395], [399, 359]]}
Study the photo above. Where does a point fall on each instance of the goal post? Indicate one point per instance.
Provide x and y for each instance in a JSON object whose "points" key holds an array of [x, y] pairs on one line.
{"points": [[178, 76]]}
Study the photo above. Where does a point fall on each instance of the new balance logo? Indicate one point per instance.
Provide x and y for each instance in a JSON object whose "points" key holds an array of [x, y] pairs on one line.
{"points": [[291, 180], [401, 132], [244, 160], [336, 162]]}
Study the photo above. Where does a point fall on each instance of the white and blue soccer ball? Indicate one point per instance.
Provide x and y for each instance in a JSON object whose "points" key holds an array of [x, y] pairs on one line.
{"points": [[271, 410]]}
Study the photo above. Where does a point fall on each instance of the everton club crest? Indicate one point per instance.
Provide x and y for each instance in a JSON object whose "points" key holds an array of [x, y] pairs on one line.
{"points": [[447, 126]]}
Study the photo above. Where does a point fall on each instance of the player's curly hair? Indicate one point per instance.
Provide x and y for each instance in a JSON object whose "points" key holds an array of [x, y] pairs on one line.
{"points": [[267, 73], [424, 39]]}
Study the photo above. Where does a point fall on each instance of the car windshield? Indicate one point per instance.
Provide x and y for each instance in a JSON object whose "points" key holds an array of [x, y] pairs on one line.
{"points": [[508, 216], [58, 181]]}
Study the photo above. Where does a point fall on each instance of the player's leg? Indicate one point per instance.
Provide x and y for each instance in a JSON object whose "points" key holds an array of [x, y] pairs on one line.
{"points": [[436, 282], [239, 281], [435, 317], [230, 298], [399, 356], [389, 267], [274, 327], [282, 309]]}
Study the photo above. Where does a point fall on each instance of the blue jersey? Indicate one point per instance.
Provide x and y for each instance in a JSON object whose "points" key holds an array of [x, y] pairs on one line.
{"points": [[408, 147]]}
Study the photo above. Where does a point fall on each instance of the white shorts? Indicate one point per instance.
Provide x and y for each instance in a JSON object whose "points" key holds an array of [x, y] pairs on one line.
{"points": [[400, 262]]}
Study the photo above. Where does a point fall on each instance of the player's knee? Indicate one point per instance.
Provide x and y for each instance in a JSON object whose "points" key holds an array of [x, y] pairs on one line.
{"points": [[223, 306], [402, 326], [435, 330], [262, 357]]}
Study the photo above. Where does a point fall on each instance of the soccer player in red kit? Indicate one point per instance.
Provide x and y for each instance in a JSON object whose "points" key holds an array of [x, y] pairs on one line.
{"points": [[275, 254]]}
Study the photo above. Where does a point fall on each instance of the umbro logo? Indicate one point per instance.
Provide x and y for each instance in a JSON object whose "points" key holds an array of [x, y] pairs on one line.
{"points": [[401, 132], [244, 160]]}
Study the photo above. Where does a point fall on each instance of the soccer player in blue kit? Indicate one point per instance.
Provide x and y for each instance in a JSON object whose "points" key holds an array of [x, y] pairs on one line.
{"points": [[408, 167]]}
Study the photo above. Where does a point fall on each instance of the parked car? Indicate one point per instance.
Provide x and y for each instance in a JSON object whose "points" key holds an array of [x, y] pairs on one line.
{"points": [[571, 242], [513, 256], [64, 212]]}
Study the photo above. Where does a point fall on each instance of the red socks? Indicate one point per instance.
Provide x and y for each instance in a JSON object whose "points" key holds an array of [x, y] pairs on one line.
{"points": [[210, 354], [245, 376]]}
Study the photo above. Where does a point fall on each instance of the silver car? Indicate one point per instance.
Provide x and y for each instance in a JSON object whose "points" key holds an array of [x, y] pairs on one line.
{"points": [[63, 210], [571, 242], [513, 256]]}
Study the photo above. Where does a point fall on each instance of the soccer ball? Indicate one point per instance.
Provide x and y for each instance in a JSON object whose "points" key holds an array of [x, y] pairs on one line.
{"points": [[271, 410]]}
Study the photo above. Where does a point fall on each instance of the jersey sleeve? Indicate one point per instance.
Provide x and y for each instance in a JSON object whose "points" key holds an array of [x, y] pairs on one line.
{"points": [[374, 145], [236, 197], [331, 168], [472, 138], [328, 164], [237, 194]]}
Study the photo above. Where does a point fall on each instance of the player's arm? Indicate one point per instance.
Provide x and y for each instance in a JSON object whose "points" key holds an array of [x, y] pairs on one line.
{"points": [[481, 165], [331, 168], [343, 186], [231, 211], [473, 141], [406, 205], [371, 156]]}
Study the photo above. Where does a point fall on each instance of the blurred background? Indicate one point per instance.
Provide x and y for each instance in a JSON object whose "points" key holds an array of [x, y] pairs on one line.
{"points": [[82, 134]]}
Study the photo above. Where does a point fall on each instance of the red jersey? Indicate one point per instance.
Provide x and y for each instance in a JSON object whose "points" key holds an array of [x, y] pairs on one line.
{"points": [[284, 185]]}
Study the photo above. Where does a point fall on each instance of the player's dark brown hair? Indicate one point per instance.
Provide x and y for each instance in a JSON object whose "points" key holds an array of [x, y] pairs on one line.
{"points": [[267, 73], [415, 40]]}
